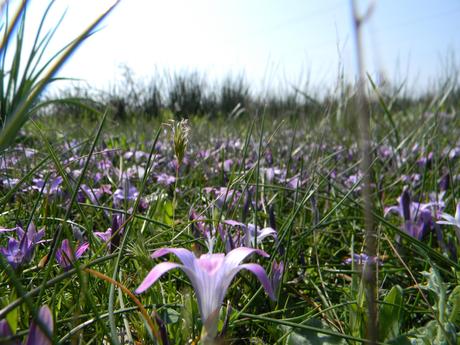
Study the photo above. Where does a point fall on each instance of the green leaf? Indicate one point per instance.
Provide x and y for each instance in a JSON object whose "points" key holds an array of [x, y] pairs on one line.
{"points": [[401, 340], [391, 310], [307, 337], [12, 316], [168, 212], [454, 302], [170, 315]]}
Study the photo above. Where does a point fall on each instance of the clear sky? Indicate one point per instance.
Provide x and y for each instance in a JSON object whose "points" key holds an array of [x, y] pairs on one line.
{"points": [[274, 42]]}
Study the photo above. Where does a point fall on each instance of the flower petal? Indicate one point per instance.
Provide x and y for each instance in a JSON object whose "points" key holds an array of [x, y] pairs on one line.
{"points": [[184, 255], [237, 255], [154, 274], [265, 232], [261, 275], [234, 223], [39, 235], [80, 250], [104, 236], [392, 209], [36, 335], [5, 330], [8, 230]]}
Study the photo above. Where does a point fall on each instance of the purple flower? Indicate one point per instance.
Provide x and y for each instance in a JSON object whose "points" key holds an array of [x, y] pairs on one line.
{"points": [[112, 235], [64, 255], [450, 220], [417, 217], [224, 196], [200, 229], [138, 155], [19, 251], [165, 179], [53, 187], [127, 193], [268, 157], [425, 161], [362, 259], [270, 174], [277, 275], [249, 237], [105, 165], [93, 194], [210, 275], [5, 332], [9, 182], [228, 163], [104, 236], [36, 335]]}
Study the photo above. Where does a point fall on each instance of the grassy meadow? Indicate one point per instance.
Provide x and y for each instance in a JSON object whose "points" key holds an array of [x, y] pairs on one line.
{"points": [[181, 212]]}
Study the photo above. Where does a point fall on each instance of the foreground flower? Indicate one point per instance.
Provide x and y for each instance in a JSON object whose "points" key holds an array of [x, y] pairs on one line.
{"points": [[36, 334], [210, 275], [64, 255], [20, 250]]}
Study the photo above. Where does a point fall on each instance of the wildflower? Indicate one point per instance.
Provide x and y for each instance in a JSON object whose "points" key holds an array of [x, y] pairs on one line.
{"points": [[200, 229], [64, 255], [210, 275], [165, 179], [250, 234], [249, 237], [362, 259], [450, 220], [417, 216], [227, 165], [5, 332], [224, 196], [277, 275], [93, 194], [53, 188], [128, 192], [9, 182], [20, 251], [36, 335], [138, 155], [112, 235]]}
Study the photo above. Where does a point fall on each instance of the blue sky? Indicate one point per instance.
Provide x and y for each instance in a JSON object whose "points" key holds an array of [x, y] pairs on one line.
{"points": [[275, 43]]}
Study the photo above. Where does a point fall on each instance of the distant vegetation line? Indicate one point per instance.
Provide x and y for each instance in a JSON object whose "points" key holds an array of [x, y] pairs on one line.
{"points": [[187, 94]]}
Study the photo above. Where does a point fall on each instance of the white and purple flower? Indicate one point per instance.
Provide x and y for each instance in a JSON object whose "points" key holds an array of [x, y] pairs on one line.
{"points": [[249, 235], [210, 275]]}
